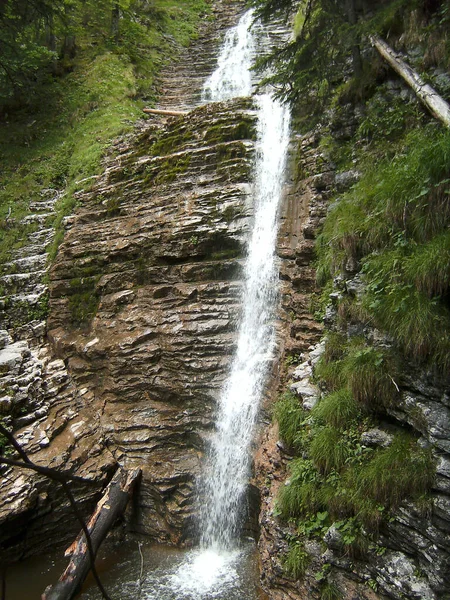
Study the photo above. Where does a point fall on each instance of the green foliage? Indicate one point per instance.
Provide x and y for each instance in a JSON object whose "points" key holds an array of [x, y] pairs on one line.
{"points": [[330, 592], [290, 416], [56, 136], [387, 117], [297, 560], [328, 450], [400, 470], [300, 496], [370, 377], [338, 409], [419, 323], [394, 224]]}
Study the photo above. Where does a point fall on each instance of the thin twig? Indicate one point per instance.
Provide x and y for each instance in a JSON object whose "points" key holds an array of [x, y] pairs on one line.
{"points": [[142, 569], [47, 471], [396, 386], [142, 561]]}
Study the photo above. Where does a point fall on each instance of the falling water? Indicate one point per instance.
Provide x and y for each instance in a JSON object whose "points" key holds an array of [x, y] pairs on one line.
{"points": [[229, 461], [232, 77]]}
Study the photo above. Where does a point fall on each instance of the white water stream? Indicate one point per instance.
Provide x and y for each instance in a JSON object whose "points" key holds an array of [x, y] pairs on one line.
{"points": [[214, 567]]}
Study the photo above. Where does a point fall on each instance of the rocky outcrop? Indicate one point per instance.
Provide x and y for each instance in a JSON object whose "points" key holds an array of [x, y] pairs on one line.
{"points": [[144, 298], [412, 558], [155, 253]]}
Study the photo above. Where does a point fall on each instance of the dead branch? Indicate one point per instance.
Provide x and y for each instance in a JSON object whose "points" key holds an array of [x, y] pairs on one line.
{"points": [[109, 508], [438, 107], [166, 113]]}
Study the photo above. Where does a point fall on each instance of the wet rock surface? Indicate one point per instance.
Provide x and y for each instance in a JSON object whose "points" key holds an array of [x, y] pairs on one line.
{"points": [[144, 298]]}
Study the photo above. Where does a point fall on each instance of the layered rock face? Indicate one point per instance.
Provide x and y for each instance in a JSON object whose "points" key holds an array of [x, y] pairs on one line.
{"points": [[144, 298], [144, 301], [155, 252]]}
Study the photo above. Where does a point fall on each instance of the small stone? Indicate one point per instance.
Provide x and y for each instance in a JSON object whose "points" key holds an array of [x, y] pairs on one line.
{"points": [[376, 437], [333, 538], [44, 442]]}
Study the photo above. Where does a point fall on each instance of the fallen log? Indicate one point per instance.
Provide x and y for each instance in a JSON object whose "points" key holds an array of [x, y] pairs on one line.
{"points": [[438, 107], [167, 113], [108, 509]]}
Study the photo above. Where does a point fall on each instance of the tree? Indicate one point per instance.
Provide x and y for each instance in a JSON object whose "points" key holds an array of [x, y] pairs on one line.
{"points": [[327, 43], [328, 35]]}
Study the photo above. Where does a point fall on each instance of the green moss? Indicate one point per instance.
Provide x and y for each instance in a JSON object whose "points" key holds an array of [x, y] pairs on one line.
{"points": [[167, 144], [83, 300], [171, 169], [227, 254], [231, 131]]}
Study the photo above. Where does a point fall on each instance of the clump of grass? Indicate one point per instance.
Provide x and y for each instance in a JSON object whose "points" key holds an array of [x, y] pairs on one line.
{"points": [[290, 416], [331, 374], [429, 266], [369, 378], [296, 561], [335, 346], [328, 450], [330, 592], [338, 409], [301, 495], [402, 469]]}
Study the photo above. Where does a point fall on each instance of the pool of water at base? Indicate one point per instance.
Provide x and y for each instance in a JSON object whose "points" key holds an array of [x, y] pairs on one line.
{"points": [[135, 569]]}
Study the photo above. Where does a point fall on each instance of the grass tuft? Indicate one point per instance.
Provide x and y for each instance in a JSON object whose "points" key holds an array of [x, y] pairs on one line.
{"points": [[328, 450], [290, 417], [338, 409], [296, 561]]}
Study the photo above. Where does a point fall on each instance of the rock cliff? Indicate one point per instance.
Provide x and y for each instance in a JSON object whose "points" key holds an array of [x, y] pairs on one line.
{"points": [[144, 296]]}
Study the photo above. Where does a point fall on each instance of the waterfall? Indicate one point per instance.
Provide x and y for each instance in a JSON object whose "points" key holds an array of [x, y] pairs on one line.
{"points": [[232, 77], [217, 569], [228, 472]]}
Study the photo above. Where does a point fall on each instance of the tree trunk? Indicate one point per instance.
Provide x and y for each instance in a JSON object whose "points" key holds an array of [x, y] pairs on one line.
{"points": [[115, 21], [438, 107], [109, 508], [356, 51]]}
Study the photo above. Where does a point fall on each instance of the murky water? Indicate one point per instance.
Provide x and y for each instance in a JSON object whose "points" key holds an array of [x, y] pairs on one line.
{"points": [[138, 570]]}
